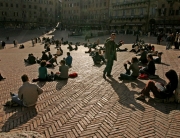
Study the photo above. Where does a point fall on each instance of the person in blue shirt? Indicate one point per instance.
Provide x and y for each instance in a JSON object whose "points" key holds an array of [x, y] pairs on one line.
{"points": [[68, 59], [42, 71]]}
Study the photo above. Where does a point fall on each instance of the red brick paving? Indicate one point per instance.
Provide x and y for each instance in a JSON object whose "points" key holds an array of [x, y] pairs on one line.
{"points": [[87, 106]]}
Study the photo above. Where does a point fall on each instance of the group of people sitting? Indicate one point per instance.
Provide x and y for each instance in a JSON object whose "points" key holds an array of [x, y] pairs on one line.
{"points": [[50, 60]]}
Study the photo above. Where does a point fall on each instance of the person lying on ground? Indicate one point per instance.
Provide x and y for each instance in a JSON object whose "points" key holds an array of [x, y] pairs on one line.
{"points": [[133, 67], [159, 90], [28, 93]]}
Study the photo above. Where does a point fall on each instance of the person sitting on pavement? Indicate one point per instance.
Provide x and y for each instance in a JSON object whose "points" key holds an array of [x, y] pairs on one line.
{"points": [[47, 48], [21, 46], [63, 72], [150, 68], [158, 59], [43, 73], [49, 55], [61, 50], [31, 59], [143, 57], [50, 63], [1, 77], [70, 47], [68, 59], [89, 51], [58, 52], [44, 57], [120, 44], [135, 70], [28, 93], [161, 91], [97, 58]]}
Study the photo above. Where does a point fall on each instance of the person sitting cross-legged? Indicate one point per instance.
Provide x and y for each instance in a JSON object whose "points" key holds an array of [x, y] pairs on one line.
{"points": [[150, 68], [68, 59], [98, 58], [143, 57], [135, 70], [159, 90], [31, 59], [50, 63], [28, 93], [63, 71], [158, 58]]}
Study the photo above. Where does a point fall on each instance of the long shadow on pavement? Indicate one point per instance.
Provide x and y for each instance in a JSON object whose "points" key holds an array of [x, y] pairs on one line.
{"points": [[21, 116], [126, 97]]}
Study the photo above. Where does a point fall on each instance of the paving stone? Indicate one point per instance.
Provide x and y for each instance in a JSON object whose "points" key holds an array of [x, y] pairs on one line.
{"points": [[87, 106]]}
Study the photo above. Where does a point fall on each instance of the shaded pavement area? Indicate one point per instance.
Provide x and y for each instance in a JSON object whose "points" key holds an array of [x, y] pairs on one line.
{"points": [[87, 106]]}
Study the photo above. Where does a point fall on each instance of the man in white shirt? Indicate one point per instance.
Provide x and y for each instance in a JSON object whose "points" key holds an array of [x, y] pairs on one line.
{"points": [[28, 93]]}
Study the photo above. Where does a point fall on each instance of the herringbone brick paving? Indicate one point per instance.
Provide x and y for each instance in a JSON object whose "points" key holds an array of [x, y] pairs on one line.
{"points": [[87, 106]]}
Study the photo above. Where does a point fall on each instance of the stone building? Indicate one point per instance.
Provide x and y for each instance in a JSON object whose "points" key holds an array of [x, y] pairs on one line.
{"points": [[71, 13], [164, 16], [95, 14], [129, 16], [85, 13], [133, 16], [29, 13]]}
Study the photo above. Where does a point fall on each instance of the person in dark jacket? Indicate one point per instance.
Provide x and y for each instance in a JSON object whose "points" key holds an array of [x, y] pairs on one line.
{"points": [[44, 56], [159, 90], [98, 58], [31, 59], [158, 59], [150, 69], [143, 57]]}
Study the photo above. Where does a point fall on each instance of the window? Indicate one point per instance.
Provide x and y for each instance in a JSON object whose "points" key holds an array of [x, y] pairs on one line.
{"points": [[11, 5], [6, 4], [29, 6], [16, 5], [1, 4]]}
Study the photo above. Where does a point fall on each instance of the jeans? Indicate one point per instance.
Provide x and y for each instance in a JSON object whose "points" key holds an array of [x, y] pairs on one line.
{"points": [[109, 65], [150, 86], [127, 76], [17, 100]]}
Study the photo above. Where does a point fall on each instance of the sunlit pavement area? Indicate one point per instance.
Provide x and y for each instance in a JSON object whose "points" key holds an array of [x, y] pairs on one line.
{"points": [[86, 106]]}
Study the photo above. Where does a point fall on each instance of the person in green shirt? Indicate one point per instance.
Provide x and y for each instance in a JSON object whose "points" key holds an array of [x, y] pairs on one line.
{"points": [[110, 54]]}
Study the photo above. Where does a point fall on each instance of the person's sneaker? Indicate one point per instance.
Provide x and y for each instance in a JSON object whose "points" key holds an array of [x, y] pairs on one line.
{"points": [[140, 97]]}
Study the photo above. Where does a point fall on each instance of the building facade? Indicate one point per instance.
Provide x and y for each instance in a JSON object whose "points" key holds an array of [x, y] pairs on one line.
{"points": [[85, 13], [132, 16], [71, 13], [95, 14], [129, 15], [166, 17], [29, 13]]}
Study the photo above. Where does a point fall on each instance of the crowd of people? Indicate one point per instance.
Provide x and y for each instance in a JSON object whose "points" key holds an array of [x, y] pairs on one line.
{"points": [[138, 67]]}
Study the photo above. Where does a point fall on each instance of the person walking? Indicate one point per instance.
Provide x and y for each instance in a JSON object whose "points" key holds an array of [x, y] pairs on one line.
{"points": [[110, 54]]}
